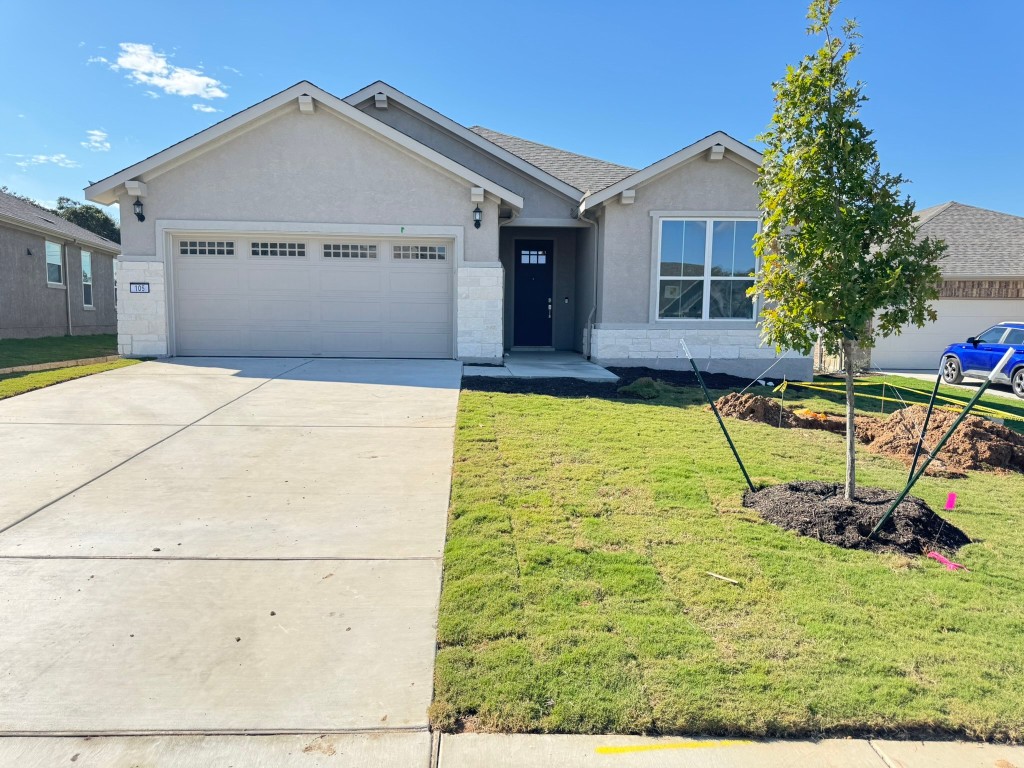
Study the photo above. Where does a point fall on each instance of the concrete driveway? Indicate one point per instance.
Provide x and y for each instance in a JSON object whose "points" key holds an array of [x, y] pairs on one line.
{"points": [[226, 546]]}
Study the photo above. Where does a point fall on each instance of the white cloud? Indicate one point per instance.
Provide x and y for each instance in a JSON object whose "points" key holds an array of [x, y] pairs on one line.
{"points": [[204, 108], [61, 159], [232, 69], [96, 140], [97, 60], [153, 94], [147, 66]]}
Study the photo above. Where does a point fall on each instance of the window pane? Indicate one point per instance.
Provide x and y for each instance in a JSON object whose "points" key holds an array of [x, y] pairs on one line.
{"points": [[682, 248], [87, 295], [1015, 337], [732, 248], [86, 267], [53, 273], [729, 300], [681, 298], [992, 335]]}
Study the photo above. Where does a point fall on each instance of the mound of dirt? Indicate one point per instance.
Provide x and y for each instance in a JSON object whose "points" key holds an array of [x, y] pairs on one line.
{"points": [[977, 443], [818, 510]]}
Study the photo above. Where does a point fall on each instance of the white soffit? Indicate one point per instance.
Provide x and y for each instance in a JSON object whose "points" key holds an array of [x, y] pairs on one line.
{"points": [[106, 191]]}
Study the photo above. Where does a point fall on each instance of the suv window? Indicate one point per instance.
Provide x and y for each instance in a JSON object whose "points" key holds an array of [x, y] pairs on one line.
{"points": [[1015, 337], [992, 335]]}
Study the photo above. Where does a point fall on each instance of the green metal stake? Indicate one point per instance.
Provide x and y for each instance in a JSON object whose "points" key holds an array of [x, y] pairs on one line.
{"points": [[927, 419], [959, 419], [714, 410]]}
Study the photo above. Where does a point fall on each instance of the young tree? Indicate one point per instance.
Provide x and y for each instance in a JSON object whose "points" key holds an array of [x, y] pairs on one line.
{"points": [[88, 217], [838, 245]]}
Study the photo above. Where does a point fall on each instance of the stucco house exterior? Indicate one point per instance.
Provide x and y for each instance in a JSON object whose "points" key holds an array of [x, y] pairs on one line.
{"points": [[56, 278], [982, 283], [373, 226]]}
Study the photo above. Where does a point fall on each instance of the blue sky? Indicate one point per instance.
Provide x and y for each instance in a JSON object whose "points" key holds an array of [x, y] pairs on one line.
{"points": [[625, 82]]}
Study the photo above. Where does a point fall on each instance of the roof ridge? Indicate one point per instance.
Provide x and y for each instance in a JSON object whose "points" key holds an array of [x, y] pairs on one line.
{"points": [[477, 128], [58, 225]]}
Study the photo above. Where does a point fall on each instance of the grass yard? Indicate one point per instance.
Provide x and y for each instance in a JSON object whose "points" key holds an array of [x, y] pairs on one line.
{"points": [[19, 383], [53, 349], [576, 597]]}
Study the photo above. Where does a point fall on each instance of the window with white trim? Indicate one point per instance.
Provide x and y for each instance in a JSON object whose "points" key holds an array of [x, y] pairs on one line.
{"points": [[206, 248], [86, 279], [279, 250], [54, 264], [705, 267], [419, 252], [350, 251]]}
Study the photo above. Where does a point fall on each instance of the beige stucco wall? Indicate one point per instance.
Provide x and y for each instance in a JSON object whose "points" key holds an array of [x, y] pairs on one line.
{"points": [[697, 186], [315, 168]]}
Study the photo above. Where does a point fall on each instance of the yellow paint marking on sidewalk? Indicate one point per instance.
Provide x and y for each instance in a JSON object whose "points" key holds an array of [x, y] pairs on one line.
{"points": [[676, 745]]}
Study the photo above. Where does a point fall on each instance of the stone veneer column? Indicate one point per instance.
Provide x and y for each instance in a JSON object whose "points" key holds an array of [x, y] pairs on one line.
{"points": [[481, 295], [141, 317]]}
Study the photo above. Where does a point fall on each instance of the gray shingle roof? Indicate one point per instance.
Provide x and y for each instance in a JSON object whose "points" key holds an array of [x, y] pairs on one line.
{"points": [[40, 219], [981, 243], [587, 174]]}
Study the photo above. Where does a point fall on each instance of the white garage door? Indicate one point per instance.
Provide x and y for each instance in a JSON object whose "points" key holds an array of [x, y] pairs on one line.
{"points": [[288, 295], [921, 348]]}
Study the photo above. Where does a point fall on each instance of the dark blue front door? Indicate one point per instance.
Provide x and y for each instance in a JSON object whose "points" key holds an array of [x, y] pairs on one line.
{"points": [[533, 293]]}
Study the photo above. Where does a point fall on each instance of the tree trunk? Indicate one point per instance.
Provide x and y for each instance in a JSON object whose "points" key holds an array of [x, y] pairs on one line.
{"points": [[849, 349]]}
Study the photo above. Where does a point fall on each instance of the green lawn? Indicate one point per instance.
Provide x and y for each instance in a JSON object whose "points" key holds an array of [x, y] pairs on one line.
{"points": [[576, 597], [19, 383], [52, 349]]}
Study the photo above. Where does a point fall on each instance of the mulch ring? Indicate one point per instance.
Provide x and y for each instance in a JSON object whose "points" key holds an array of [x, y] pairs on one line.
{"points": [[977, 444], [566, 387], [818, 510]]}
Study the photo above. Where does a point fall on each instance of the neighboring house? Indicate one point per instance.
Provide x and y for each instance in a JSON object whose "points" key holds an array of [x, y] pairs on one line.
{"points": [[982, 284], [56, 278], [373, 226]]}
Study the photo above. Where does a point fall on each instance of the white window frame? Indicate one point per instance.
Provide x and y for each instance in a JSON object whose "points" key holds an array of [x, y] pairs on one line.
{"points": [[83, 256], [60, 263], [659, 217]]}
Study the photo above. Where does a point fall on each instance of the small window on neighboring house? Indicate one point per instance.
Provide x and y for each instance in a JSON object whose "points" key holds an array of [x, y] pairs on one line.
{"points": [[419, 252], [54, 264], [86, 278], [349, 251], [279, 250]]}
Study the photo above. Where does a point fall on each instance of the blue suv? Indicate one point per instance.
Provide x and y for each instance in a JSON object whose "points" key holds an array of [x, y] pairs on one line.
{"points": [[976, 357]]}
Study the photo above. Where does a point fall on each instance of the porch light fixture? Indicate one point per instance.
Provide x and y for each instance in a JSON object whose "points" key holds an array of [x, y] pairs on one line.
{"points": [[137, 207], [478, 216]]}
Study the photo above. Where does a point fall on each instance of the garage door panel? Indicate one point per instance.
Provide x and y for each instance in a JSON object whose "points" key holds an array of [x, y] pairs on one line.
{"points": [[314, 306]]}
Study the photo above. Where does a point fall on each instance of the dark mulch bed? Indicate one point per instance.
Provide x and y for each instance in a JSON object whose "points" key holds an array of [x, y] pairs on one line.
{"points": [[602, 389], [819, 510]]}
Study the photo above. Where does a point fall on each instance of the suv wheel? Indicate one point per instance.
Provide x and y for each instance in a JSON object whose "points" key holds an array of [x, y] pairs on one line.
{"points": [[951, 373], [1017, 382]]}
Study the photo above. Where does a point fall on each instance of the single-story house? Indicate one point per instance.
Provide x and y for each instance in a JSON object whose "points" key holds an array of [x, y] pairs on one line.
{"points": [[56, 278], [982, 284], [373, 226]]}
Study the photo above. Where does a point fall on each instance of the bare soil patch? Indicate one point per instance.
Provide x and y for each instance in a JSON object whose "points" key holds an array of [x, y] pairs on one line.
{"points": [[977, 444], [818, 510]]}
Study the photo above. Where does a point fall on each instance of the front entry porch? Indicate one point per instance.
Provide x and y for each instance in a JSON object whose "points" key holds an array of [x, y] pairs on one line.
{"points": [[543, 365]]}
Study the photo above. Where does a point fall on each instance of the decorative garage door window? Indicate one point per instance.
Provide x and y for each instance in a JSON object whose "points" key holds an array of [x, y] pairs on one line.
{"points": [[535, 257], [206, 248], [279, 250], [349, 251], [705, 267], [419, 252]]}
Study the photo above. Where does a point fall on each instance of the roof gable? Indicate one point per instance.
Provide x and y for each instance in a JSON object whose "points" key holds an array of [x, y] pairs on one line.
{"points": [[28, 215], [108, 190], [469, 135]]}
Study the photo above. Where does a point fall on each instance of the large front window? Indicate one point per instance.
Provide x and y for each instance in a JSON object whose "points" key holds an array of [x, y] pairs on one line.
{"points": [[705, 267]]}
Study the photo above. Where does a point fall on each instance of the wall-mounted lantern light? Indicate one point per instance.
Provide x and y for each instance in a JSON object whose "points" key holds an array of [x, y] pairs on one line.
{"points": [[478, 216], [28, 251], [137, 207]]}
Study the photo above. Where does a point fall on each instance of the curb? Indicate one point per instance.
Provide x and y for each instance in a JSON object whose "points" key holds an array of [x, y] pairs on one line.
{"points": [[59, 364]]}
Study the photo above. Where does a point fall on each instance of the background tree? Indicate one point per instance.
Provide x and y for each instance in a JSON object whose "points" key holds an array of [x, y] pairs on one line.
{"points": [[838, 244], [88, 217]]}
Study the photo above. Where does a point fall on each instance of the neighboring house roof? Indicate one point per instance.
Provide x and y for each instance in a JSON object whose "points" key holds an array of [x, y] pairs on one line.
{"points": [[730, 148], [980, 242], [587, 174], [108, 190], [14, 210], [466, 134]]}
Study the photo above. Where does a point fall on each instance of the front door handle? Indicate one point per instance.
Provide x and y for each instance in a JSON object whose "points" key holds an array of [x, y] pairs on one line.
{"points": [[549, 308]]}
